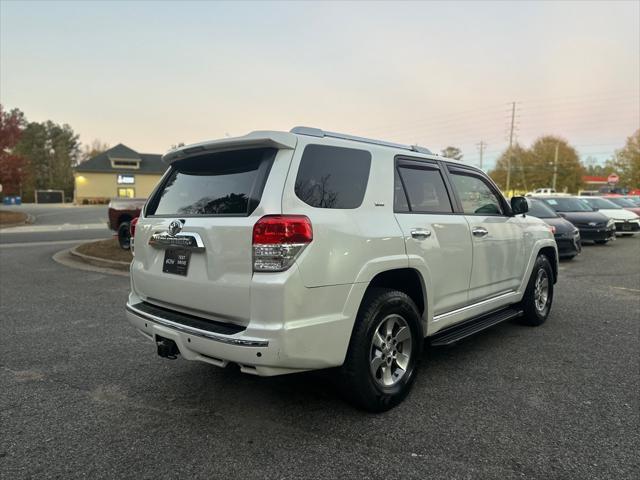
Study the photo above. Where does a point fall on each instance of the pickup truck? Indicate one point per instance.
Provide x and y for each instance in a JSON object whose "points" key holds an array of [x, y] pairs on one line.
{"points": [[120, 212]]}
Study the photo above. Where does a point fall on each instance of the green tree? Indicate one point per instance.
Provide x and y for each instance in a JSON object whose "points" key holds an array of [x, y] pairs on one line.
{"points": [[533, 168], [517, 181], [626, 162], [540, 166], [51, 151], [452, 152]]}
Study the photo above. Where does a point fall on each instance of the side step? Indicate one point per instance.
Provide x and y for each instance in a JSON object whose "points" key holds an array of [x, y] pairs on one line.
{"points": [[467, 328]]}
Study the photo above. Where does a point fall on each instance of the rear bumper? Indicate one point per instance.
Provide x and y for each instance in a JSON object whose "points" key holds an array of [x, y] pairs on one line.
{"points": [[264, 349]]}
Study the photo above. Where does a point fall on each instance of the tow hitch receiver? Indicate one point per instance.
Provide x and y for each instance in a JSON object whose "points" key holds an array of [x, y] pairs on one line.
{"points": [[167, 348]]}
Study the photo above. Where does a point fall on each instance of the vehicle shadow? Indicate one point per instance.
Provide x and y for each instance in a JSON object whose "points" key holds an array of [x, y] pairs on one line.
{"points": [[307, 398]]}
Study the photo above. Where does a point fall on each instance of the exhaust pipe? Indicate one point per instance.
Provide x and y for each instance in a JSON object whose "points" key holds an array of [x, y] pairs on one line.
{"points": [[167, 348]]}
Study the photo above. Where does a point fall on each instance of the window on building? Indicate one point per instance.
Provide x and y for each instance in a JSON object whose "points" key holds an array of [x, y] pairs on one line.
{"points": [[333, 177], [119, 163], [126, 192]]}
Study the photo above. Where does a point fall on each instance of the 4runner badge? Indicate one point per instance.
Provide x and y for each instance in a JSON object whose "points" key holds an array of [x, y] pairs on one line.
{"points": [[174, 227]]}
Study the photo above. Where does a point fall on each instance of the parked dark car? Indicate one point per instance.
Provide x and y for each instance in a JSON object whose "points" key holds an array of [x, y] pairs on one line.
{"points": [[593, 225], [566, 234], [121, 211]]}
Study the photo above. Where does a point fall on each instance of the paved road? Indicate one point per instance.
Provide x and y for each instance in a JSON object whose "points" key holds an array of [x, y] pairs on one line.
{"points": [[55, 223], [84, 396]]}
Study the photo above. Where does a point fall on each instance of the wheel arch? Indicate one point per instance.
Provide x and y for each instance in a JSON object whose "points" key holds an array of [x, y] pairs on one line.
{"points": [[407, 280]]}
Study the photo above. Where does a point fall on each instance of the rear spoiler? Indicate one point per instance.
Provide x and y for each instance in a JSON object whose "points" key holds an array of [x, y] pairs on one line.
{"points": [[280, 140]]}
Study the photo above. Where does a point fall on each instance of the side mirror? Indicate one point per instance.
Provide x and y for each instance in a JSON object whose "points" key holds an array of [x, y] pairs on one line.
{"points": [[519, 205]]}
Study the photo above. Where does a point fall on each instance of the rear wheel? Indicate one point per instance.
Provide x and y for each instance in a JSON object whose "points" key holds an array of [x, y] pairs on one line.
{"points": [[124, 236], [538, 297], [384, 351]]}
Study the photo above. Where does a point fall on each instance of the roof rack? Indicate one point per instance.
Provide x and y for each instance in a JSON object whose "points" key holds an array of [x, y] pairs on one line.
{"points": [[317, 132]]}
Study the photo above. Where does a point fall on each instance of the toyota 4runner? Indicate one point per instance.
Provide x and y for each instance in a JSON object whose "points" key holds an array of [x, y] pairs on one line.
{"points": [[284, 252]]}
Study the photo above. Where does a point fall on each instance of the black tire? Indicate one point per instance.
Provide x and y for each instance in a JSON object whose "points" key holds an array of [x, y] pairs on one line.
{"points": [[124, 236], [601, 242], [534, 315], [380, 307]]}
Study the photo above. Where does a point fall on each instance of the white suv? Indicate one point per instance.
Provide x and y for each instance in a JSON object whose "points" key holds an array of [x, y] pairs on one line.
{"points": [[284, 252]]}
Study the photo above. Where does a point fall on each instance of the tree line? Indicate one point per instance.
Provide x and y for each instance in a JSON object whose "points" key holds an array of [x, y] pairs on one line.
{"points": [[39, 155], [535, 167]]}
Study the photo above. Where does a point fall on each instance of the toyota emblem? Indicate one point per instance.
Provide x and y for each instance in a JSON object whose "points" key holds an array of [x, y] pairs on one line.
{"points": [[174, 227]]}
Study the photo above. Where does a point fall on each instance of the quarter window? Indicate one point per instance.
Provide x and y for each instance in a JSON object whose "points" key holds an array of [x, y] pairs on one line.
{"points": [[333, 177], [476, 196], [425, 191]]}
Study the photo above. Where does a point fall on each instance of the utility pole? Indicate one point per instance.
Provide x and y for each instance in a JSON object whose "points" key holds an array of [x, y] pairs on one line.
{"points": [[555, 167], [513, 117], [481, 146]]}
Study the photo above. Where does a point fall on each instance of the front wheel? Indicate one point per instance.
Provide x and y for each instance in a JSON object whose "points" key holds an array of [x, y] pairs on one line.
{"points": [[538, 297], [384, 351]]}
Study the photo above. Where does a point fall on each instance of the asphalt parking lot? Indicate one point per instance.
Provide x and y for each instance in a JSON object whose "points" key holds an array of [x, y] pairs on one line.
{"points": [[84, 396]]}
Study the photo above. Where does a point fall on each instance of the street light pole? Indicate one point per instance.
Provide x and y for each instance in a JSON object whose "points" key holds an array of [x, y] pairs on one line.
{"points": [[513, 117], [555, 167]]}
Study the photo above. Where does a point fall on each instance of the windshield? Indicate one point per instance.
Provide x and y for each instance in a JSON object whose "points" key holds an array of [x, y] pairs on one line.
{"points": [[568, 204], [602, 203], [539, 209], [622, 202]]}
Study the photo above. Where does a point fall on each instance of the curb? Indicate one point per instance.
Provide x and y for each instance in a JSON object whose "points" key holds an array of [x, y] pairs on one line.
{"points": [[27, 221], [100, 262], [66, 258]]}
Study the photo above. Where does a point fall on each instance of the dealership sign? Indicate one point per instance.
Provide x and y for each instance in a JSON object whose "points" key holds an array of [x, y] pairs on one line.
{"points": [[613, 179], [126, 179]]}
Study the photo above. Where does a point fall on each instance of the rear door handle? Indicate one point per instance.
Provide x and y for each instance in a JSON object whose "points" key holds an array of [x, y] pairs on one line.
{"points": [[420, 233], [480, 232]]}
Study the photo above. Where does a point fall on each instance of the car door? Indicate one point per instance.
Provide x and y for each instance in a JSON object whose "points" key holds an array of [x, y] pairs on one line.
{"points": [[498, 237], [438, 242]]}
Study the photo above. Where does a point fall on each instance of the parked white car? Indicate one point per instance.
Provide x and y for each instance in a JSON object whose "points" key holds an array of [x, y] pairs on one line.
{"points": [[627, 222], [284, 252]]}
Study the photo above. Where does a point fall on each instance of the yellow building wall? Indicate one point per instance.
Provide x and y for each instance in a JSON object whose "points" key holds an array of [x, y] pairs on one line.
{"points": [[104, 186]]}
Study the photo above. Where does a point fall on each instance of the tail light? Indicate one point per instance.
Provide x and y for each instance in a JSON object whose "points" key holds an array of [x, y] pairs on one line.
{"points": [[278, 240], [132, 227], [553, 229]]}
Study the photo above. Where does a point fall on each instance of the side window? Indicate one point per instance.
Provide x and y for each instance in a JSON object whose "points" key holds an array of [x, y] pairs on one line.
{"points": [[476, 195], [400, 203], [333, 177], [425, 190]]}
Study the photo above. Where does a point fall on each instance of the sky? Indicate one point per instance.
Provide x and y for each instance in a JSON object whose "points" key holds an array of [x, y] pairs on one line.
{"points": [[153, 74]]}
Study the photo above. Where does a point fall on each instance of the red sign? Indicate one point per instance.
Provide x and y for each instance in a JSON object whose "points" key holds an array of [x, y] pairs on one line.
{"points": [[613, 179]]}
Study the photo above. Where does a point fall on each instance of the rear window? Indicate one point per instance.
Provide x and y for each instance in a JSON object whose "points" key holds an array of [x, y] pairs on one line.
{"points": [[223, 183], [333, 177]]}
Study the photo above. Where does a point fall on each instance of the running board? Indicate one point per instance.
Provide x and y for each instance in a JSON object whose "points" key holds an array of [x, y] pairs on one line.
{"points": [[467, 328]]}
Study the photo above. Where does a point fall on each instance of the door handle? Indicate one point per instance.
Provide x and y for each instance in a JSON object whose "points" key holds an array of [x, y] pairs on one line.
{"points": [[480, 232], [420, 233]]}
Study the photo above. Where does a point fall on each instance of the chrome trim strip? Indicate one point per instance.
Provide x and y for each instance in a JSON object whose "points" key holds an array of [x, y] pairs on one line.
{"points": [[190, 240], [196, 331], [469, 307]]}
